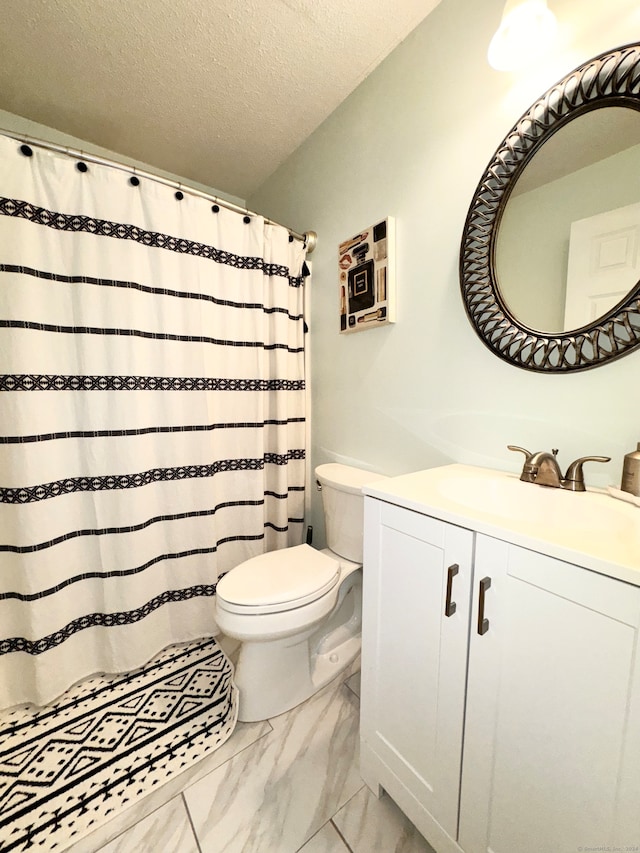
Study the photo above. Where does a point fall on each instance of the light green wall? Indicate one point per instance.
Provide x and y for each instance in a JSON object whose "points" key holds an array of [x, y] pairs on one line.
{"points": [[412, 142]]}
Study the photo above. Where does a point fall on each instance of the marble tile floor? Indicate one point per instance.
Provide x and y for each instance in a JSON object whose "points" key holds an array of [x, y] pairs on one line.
{"points": [[287, 785]]}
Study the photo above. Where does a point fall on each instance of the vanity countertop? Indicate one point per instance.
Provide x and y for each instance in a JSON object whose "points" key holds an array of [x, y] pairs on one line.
{"points": [[590, 529]]}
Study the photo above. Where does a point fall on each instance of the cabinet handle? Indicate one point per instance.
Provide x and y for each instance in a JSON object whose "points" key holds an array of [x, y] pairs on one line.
{"points": [[483, 624], [450, 606]]}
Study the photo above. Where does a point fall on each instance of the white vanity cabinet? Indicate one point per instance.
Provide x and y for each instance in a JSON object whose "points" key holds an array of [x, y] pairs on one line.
{"points": [[552, 724], [418, 570], [513, 724]]}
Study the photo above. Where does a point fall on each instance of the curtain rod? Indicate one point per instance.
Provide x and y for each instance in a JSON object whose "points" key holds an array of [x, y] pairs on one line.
{"points": [[309, 238]]}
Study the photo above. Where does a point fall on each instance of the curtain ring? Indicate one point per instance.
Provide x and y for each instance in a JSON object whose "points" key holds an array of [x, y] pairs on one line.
{"points": [[81, 166]]}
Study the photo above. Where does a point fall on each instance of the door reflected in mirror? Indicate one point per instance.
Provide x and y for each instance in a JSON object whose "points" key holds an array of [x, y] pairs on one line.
{"points": [[568, 242]]}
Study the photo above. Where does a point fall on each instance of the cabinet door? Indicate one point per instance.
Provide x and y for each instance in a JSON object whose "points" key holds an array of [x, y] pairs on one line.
{"points": [[414, 655], [551, 746]]}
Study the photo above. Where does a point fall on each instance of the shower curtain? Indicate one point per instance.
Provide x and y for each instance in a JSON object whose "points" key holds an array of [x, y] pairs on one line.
{"points": [[151, 413]]}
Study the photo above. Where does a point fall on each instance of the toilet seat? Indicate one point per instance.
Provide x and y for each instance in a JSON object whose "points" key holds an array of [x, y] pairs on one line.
{"points": [[278, 581]]}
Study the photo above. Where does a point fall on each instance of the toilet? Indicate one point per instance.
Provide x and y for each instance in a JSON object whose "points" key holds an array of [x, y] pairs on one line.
{"points": [[297, 612]]}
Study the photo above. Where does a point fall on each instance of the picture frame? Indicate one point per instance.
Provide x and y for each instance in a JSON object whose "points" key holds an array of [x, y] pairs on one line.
{"points": [[366, 278]]}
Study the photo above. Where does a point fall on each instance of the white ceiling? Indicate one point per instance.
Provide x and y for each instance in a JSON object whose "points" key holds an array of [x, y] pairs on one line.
{"points": [[217, 91]]}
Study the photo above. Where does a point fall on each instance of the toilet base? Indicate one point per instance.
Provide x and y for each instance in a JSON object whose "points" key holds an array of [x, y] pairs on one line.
{"points": [[261, 699], [274, 676]]}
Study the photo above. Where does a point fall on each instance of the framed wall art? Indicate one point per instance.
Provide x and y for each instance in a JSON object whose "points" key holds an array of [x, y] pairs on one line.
{"points": [[366, 275]]}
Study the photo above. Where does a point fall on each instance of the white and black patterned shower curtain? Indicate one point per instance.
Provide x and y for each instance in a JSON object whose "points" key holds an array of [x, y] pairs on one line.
{"points": [[151, 413]]}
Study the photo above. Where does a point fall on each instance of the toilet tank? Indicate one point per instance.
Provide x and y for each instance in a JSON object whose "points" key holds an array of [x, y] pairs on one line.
{"points": [[343, 504]]}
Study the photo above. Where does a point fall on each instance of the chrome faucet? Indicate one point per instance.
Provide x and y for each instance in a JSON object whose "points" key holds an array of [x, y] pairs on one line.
{"points": [[542, 469]]}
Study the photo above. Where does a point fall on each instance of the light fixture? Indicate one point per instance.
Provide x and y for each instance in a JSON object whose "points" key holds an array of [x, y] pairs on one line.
{"points": [[525, 32]]}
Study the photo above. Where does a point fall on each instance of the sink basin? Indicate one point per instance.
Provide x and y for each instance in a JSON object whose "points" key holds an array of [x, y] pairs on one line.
{"points": [[589, 528], [504, 495]]}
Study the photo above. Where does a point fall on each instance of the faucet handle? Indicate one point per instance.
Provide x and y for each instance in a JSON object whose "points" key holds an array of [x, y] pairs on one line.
{"points": [[527, 476], [574, 478], [527, 453]]}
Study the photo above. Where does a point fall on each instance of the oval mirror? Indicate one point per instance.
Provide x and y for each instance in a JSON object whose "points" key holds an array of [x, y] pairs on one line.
{"points": [[550, 258]]}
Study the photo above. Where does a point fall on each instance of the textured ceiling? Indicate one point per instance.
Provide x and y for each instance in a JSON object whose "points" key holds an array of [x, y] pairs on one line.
{"points": [[217, 91]]}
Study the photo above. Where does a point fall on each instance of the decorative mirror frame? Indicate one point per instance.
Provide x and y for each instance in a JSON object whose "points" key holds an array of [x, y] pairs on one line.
{"points": [[611, 79]]}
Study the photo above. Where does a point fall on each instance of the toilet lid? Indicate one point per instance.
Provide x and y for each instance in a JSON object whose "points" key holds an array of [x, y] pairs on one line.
{"points": [[280, 580]]}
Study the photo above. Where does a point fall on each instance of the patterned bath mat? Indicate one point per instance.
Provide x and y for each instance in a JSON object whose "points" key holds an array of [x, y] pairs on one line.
{"points": [[71, 766]]}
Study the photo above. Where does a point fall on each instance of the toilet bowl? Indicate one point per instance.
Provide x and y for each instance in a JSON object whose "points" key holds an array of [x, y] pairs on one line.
{"points": [[297, 612]]}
